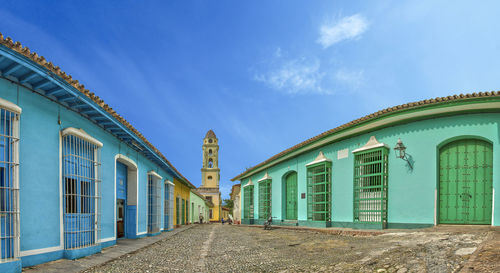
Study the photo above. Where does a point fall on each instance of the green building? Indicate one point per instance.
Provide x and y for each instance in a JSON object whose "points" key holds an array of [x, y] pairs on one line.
{"points": [[199, 207], [414, 165]]}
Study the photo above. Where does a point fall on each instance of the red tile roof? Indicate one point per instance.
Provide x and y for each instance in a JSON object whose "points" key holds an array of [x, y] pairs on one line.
{"points": [[40, 60], [373, 116]]}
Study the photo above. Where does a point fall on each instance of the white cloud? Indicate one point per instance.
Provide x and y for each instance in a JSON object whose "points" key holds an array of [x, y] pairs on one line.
{"points": [[346, 28], [350, 78], [296, 76]]}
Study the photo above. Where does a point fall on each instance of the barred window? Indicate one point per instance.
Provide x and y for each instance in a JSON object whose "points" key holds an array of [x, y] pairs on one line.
{"points": [[265, 198], [248, 202], [81, 188], [370, 185], [169, 206], [9, 180], [319, 199], [154, 202]]}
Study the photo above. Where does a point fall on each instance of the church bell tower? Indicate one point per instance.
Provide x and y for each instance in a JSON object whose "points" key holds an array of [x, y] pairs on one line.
{"points": [[210, 174], [210, 171]]}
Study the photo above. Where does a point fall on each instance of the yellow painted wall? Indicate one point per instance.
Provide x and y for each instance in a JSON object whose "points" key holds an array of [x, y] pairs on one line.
{"points": [[217, 208], [182, 191]]}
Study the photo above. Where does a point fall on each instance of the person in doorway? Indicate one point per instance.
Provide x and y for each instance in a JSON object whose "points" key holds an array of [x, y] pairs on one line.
{"points": [[201, 219], [222, 220]]}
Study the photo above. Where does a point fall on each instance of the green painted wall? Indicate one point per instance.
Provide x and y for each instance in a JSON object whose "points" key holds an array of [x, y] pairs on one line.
{"points": [[411, 194], [198, 205]]}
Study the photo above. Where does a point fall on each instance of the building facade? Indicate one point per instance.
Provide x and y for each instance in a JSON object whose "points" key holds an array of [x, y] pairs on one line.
{"points": [[236, 197], [199, 208], [410, 166], [182, 203], [210, 175], [225, 213], [74, 175]]}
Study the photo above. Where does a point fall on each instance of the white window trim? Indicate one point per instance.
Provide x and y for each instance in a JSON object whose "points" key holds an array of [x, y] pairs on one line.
{"points": [[9, 106], [320, 158], [371, 144], [266, 177], [81, 134], [250, 183], [153, 173]]}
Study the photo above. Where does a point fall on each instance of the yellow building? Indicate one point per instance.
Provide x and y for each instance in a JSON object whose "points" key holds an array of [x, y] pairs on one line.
{"points": [[182, 190], [210, 175]]}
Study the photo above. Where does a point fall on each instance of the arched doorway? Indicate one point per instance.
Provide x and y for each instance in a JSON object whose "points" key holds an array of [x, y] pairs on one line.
{"points": [[126, 197], [290, 194], [466, 182]]}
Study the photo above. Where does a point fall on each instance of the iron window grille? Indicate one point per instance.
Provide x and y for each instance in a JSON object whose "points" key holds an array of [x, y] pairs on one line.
{"points": [[319, 193], [169, 206], [154, 203], [81, 160], [370, 185], [265, 198], [9, 185], [248, 202]]}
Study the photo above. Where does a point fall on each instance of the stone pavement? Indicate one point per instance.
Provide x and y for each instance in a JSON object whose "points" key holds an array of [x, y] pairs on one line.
{"points": [[123, 247]]}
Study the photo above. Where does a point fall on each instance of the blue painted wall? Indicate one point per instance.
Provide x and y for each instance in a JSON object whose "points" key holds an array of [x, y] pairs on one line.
{"points": [[411, 192], [39, 168]]}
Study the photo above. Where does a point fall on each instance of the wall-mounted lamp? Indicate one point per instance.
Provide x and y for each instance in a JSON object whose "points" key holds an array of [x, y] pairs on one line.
{"points": [[401, 152]]}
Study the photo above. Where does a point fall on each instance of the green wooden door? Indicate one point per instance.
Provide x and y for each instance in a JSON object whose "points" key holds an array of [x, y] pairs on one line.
{"points": [[466, 182], [291, 196], [183, 215]]}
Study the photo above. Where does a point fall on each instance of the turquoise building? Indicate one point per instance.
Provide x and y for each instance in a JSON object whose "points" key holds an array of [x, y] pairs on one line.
{"points": [[74, 175], [411, 166]]}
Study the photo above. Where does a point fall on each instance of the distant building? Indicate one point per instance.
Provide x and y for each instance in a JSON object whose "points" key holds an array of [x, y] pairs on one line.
{"points": [[225, 213], [210, 175], [236, 197], [199, 207], [415, 165]]}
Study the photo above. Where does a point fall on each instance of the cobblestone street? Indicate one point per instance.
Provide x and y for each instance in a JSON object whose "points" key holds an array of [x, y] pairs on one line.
{"points": [[224, 248]]}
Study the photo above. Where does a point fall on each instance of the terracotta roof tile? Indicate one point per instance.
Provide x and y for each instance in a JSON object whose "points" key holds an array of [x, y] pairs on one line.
{"points": [[40, 60], [372, 116]]}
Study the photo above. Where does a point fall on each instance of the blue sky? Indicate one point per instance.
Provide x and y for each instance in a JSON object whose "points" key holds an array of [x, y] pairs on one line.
{"points": [[264, 75]]}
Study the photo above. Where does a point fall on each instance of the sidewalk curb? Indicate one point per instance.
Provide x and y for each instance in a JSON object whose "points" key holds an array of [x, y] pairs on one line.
{"points": [[325, 230]]}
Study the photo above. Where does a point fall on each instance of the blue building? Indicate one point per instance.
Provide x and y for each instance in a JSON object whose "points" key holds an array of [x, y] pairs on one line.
{"points": [[74, 175]]}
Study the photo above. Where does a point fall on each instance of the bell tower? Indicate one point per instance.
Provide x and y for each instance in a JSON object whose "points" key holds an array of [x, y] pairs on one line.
{"points": [[210, 174], [210, 170]]}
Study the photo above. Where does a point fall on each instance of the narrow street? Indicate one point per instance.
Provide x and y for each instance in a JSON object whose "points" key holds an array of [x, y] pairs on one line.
{"points": [[224, 248]]}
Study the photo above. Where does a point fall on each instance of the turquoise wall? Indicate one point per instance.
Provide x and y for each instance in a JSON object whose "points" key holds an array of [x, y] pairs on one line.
{"points": [[411, 192], [39, 168]]}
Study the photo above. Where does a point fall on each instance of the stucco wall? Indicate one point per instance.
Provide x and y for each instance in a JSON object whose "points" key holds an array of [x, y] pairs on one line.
{"points": [[199, 204], [411, 192], [40, 200], [182, 191]]}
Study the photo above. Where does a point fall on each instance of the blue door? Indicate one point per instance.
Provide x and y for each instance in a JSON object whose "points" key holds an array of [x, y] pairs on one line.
{"points": [[121, 199]]}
